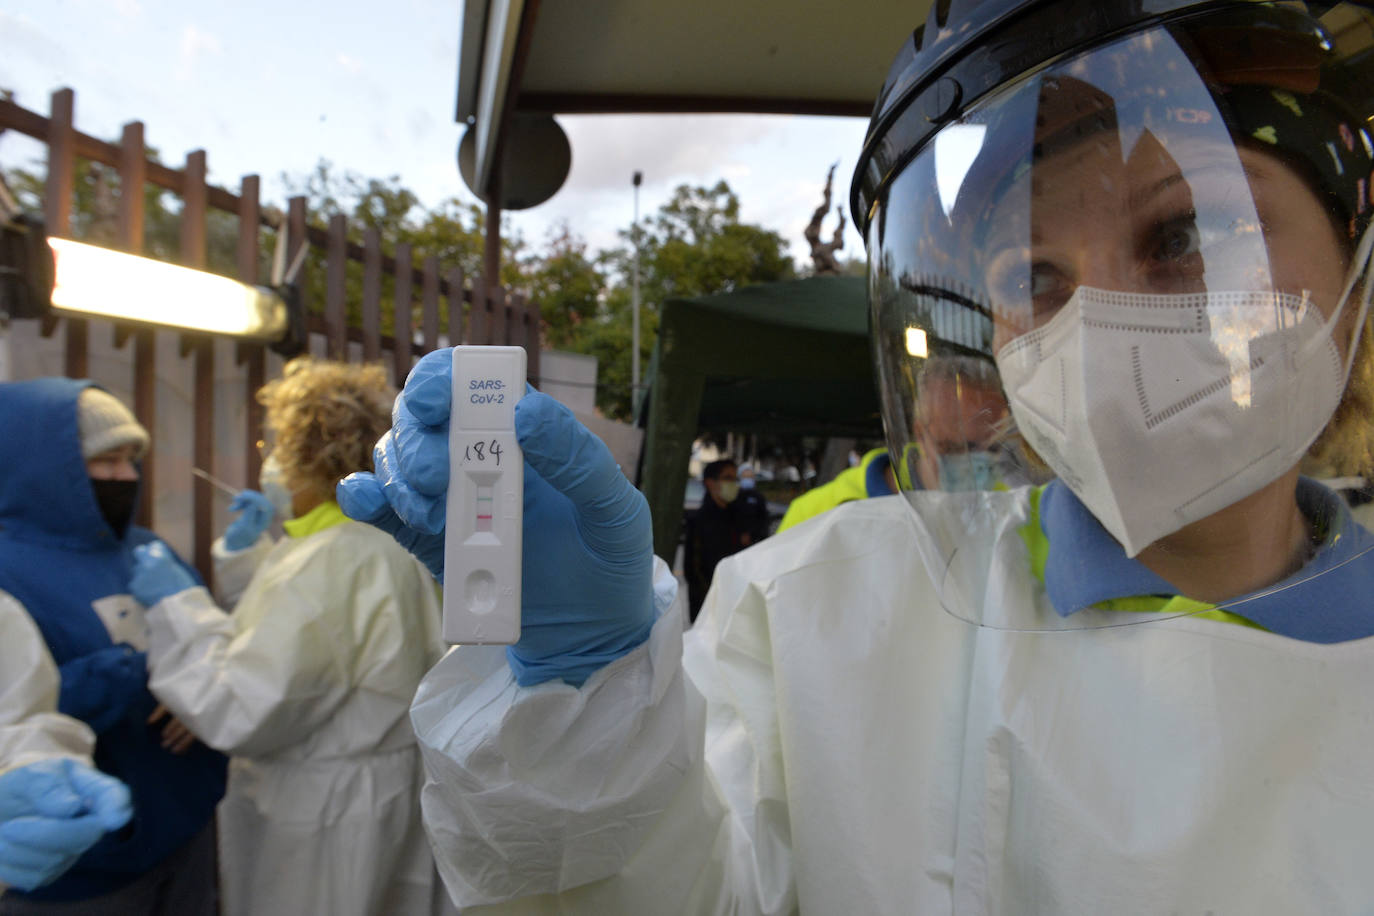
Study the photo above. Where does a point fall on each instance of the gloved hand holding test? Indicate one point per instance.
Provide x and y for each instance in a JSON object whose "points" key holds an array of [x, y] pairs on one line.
{"points": [[587, 596], [485, 510]]}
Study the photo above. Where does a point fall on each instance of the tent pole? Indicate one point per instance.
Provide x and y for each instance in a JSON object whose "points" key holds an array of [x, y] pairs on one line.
{"points": [[491, 255], [634, 327]]}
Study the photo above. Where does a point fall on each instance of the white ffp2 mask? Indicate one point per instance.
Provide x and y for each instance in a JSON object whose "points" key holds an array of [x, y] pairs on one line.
{"points": [[1159, 410]]}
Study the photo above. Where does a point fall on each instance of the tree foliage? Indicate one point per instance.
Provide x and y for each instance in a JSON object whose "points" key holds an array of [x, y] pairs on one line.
{"points": [[95, 214], [569, 287], [453, 232], [695, 245]]}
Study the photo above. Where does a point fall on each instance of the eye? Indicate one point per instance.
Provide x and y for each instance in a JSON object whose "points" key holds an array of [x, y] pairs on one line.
{"points": [[1050, 288], [1176, 239], [1007, 275], [1015, 281]]}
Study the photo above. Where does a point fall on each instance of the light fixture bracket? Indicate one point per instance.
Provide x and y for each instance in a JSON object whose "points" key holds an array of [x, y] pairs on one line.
{"points": [[26, 268]]}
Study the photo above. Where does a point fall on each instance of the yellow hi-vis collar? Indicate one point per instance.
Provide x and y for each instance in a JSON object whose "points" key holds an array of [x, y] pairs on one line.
{"points": [[325, 515]]}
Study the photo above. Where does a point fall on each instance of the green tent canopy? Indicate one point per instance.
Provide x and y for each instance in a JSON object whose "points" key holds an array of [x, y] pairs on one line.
{"points": [[781, 358]]}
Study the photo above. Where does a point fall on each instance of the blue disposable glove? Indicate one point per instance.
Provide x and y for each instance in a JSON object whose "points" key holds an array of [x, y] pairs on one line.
{"points": [[99, 687], [587, 586], [157, 574], [50, 813], [255, 514]]}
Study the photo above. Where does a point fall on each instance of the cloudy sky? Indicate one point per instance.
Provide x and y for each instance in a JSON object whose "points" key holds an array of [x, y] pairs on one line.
{"points": [[271, 87]]}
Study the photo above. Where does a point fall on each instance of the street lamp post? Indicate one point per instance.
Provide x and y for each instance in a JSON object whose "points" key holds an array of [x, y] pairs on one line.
{"points": [[634, 298]]}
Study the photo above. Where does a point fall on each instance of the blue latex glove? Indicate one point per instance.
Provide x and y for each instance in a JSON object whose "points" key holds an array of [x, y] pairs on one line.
{"points": [[157, 574], [50, 813], [587, 587], [98, 688], [255, 514]]}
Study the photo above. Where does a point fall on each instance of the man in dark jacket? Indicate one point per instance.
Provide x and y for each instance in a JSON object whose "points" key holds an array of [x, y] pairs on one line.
{"points": [[67, 499], [712, 530]]}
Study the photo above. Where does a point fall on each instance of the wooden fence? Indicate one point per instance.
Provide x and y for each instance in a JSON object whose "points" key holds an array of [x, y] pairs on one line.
{"points": [[477, 312]]}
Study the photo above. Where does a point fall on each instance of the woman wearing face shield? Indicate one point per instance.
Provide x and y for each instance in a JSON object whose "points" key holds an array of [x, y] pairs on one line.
{"points": [[307, 683], [1142, 687]]}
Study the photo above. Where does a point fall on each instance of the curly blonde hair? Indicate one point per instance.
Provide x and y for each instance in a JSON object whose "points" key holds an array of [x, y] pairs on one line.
{"points": [[326, 417]]}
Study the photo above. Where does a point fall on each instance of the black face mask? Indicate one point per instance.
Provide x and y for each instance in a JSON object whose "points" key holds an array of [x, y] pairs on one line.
{"points": [[116, 499]]}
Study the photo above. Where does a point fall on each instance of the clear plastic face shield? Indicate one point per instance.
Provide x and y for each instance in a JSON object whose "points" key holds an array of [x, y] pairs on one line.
{"points": [[1143, 270]]}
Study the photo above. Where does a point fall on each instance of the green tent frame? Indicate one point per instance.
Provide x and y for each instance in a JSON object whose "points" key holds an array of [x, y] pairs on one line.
{"points": [[790, 357]]}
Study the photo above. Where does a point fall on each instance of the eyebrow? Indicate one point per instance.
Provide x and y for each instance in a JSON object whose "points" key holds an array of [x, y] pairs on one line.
{"points": [[1141, 196], [1134, 200]]}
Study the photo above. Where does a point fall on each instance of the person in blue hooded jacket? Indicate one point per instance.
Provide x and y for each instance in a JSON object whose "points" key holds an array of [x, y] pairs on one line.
{"points": [[67, 500]]}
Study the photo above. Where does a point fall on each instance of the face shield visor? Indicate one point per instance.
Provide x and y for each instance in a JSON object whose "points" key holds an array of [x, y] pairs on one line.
{"points": [[1142, 270]]}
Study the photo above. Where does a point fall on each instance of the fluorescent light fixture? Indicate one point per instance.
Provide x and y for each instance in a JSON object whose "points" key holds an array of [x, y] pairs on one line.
{"points": [[94, 281], [916, 343]]}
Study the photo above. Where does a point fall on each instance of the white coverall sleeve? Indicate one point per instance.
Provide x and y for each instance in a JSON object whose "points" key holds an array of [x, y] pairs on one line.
{"points": [[234, 568], [31, 728], [257, 689], [624, 796]]}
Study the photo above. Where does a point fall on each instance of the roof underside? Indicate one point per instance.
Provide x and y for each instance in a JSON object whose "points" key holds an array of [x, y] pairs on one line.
{"points": [[646, 56], [781, 56]]}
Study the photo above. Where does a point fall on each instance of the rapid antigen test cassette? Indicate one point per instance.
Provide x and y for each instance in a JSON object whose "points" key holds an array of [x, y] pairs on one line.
{"points": [[482, 540]]}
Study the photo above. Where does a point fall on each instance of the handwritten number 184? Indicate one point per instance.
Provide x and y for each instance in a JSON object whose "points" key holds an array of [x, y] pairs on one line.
{"points": [[481, 451]]}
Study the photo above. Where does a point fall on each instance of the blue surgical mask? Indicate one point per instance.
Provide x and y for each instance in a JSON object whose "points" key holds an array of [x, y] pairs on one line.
{"points": [[746, 483], [968, 471]]}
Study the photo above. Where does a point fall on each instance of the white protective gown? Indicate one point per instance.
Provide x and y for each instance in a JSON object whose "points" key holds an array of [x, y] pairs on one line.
{"points": [[31, 728], [307, 686], [866, 752]]}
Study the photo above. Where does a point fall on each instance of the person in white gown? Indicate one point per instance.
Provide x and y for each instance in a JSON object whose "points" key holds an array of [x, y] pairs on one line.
{"points": [[53, 804], [1143, 687], [308, 681]]}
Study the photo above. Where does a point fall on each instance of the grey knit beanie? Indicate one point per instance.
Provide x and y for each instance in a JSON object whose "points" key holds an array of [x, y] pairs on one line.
{"points": [[105, 423]]}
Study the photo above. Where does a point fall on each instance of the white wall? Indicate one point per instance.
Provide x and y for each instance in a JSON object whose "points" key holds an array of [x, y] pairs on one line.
{"points": [[569, 378]]}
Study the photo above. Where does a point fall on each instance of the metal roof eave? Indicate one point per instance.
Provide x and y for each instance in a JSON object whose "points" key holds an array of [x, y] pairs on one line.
{"points": [[472, 38], [671, 56], [489, 76]]}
